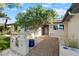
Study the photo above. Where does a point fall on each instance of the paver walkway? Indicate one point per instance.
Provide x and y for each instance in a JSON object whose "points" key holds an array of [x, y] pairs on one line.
{"points": [[48, 47]]}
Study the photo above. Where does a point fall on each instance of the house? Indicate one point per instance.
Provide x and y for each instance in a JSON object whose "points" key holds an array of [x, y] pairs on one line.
{"points": [[71, 22], [53, 30], [68, 28], [64, 29], [57, 30]]}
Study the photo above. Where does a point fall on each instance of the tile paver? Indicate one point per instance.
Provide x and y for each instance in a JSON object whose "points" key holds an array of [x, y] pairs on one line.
{"points": [[48, 47]]}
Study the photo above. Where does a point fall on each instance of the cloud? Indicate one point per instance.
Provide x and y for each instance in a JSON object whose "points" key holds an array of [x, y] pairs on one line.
{"points": [[64, 4], [2, 20], [14, 9], [47, 5], [66, 7], [11, 21], [60, 11], [24, 11]]}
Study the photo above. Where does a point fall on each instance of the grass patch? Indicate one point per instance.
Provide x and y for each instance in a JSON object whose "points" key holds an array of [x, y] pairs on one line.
{"points": [[4, 42]]}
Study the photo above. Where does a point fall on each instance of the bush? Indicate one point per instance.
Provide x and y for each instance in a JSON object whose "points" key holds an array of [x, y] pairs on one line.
{"points": [[73, 43], [4, 42]]}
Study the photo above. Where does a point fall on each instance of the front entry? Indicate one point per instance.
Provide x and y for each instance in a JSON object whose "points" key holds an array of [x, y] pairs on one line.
{"points": [[45, 30]]}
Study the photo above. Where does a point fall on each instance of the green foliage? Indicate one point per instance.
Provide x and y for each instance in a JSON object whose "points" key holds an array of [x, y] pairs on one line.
{"points": [[2, 14], [10, 5], [73, 43], [4, 42], [35, 17]]}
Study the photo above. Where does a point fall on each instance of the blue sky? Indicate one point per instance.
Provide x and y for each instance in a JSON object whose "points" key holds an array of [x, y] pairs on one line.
{"points": [[60, 8]]}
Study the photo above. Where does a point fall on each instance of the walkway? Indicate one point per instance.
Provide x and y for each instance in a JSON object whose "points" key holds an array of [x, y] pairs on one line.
{"points": [[8, 52], [48, 47]]}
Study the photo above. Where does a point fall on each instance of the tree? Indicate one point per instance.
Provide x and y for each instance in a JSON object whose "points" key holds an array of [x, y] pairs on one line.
{"points": [[10, 5], [6, 20], [36, 17], [3, 6], [3, 15]]}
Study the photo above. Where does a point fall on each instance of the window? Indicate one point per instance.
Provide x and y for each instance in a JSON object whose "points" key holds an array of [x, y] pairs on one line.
{"points": [[61, 27], [58, 27], [55, 27]]}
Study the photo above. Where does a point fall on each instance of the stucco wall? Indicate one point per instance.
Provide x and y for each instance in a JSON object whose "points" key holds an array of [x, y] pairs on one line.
{"points": [[32, 34], [61, 34], [73, 27], [22, 48]]}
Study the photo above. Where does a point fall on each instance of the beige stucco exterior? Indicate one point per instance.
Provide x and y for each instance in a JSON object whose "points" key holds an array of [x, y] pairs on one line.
{"points": [[61, 34], [73, 27]]}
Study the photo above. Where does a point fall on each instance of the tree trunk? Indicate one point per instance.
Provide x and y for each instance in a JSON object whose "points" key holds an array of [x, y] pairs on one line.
{"points": [[5, 25]]}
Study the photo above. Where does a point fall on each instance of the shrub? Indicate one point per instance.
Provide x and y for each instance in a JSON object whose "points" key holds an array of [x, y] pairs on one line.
{"points": [[73, 43], [4, 42]]}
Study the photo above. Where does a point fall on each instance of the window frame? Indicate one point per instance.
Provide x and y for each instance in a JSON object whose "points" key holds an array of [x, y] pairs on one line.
{"points": [[58, 26]]}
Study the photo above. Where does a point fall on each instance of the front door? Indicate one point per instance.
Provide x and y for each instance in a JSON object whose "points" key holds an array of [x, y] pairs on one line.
{"points": [[45, 30]]}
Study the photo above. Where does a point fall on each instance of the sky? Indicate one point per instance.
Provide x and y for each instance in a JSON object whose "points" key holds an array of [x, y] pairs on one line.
{"points": [[60, 8]]}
